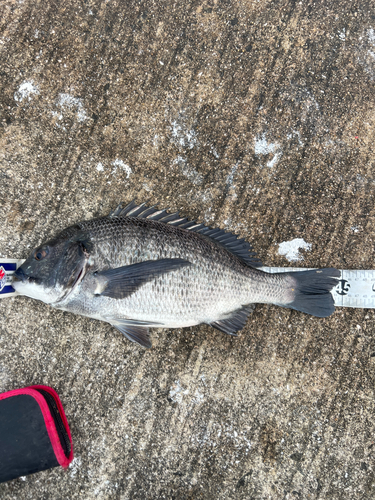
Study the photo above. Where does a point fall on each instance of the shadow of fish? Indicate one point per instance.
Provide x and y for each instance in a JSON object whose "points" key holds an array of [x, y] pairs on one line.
{"points": [[140, 267]]}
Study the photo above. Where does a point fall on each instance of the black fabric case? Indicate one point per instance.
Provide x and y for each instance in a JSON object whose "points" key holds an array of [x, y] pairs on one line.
{"points": [[34, 432]]}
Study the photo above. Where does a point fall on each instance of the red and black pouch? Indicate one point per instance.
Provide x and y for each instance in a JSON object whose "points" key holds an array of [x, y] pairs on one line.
{"points": [[34, 432]]}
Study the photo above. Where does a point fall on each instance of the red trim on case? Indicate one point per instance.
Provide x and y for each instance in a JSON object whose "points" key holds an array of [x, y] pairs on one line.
{"points": [[48, 419]]}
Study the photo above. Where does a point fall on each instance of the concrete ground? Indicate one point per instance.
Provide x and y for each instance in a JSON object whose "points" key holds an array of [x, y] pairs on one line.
{"points": [[253, 116]]}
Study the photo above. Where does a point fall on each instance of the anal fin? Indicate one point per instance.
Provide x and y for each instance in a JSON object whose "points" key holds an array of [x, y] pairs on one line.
{"points": [[235, 322]]}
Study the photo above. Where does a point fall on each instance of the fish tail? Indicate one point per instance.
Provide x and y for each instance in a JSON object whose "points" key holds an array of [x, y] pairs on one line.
{"points": [[312, 291]]}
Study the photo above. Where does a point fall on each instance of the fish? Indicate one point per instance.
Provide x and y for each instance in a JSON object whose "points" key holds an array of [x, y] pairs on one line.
{"points": [[140, 267]]}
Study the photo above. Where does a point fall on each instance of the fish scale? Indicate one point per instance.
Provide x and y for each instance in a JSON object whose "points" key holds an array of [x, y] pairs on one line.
{"points": [[141, 267]]}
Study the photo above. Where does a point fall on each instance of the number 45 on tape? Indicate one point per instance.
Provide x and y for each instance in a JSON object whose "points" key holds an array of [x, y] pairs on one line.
{"points": [[355, 288]]}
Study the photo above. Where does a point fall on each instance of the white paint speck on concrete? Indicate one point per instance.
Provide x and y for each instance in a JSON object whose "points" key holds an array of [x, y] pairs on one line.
{"points": [[366, 52], [263, 147], [57, 115], [295, 133], [371, 51], [230, 181], [275, 159], [100, 167], [75, 465], [188, 171], [342, 35], [120, 164], [290, 249], [198, 397], [371, 36], [25, 91], [182, 136], [66, 101], [231, 175], [176, 392]]}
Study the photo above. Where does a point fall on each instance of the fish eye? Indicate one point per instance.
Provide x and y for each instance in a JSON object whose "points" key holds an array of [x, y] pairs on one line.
{"points": [[41, 253]]}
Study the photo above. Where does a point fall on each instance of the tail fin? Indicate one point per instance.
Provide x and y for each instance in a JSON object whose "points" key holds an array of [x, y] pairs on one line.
{"points": [[312, 291]]}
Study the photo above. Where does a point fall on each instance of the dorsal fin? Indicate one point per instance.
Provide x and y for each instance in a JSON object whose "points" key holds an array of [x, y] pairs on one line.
{"points": [[231, 242]]}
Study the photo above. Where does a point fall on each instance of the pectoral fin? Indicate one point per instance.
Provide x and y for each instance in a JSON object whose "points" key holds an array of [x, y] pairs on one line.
{"points": [[123, 281]]}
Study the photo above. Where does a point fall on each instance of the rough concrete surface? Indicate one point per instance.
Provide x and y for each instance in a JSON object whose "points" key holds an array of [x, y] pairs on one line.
{"points": [[254, 116]]}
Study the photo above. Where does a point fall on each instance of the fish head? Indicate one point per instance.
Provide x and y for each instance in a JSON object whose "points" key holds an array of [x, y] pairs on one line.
{"points": [[53, 269]]}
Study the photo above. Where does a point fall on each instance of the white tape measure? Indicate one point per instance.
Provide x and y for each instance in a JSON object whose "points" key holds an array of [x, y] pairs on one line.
{"points": [[355, 288]]}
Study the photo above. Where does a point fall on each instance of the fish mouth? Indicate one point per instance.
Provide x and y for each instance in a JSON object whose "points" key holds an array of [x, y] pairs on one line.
{"points": [[19, 275], [31, 286], [22, 277]]}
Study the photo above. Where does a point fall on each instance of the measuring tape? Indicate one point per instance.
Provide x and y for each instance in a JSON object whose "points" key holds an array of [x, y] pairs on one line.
{"points": [[355, 288]]}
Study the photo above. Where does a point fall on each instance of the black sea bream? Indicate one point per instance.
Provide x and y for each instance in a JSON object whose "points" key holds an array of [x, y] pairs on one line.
{"points": [[140, 267]]}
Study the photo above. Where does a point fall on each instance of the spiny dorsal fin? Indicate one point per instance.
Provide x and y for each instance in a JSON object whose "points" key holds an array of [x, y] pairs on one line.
{"points": [[231, 242]]}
